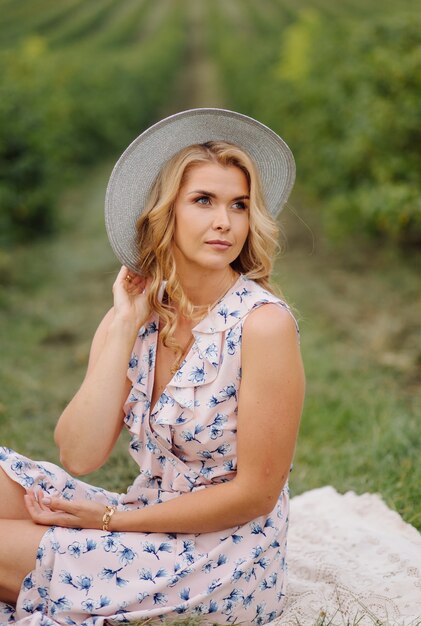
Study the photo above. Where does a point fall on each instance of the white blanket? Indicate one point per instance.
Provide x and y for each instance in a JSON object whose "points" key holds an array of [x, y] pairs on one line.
{"points": [[351, 558]]}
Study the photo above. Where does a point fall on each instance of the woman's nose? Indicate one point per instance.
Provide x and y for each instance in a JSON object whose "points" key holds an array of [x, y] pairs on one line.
{"points": [[221, 219]]}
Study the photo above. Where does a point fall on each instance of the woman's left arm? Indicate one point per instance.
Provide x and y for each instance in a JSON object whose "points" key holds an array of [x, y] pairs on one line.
{"points": [[270, 404]]}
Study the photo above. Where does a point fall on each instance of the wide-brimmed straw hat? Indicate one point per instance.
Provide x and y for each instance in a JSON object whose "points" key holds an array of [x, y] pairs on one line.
{"points": [[137, 168]]}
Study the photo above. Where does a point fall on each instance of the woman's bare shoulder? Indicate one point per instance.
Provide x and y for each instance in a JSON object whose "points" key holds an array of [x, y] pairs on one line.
{"points": [[270, 321]]}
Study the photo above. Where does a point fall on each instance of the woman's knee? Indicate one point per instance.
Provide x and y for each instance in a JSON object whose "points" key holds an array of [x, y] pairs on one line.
{"points": [[11, 497], [18, 550]]}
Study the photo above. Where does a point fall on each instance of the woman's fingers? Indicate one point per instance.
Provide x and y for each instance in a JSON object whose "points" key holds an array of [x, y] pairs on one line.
{"points": [[48, 511], [132, 283], [56, 511]]}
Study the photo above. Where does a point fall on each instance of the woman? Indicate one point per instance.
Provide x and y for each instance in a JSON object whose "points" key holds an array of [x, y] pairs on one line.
{"points": [[212, 396]]}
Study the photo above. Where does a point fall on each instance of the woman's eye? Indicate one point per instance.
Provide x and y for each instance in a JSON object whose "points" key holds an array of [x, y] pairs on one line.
{"points": [[240, 205], [203, 200]]}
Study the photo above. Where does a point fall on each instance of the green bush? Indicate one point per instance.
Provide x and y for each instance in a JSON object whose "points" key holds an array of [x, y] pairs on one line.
{"points": [[351, 106], [344, 92], [66, 108]]}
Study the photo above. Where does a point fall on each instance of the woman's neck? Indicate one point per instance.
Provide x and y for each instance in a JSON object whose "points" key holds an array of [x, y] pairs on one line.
{"points": [[208, 288]]}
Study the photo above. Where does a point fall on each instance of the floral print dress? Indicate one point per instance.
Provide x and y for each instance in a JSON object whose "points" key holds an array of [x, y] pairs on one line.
{"points": [[184, 443]]}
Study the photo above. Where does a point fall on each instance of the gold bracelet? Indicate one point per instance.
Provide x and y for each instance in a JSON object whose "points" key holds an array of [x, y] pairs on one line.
{"points": [[106, 518]]}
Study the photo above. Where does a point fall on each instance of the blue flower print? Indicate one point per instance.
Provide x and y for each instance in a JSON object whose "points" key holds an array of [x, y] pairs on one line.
{"points": [[28, 583], [213, 401], [264, 585], [235, 596], [108, 574], [197, 375], [127, 555], [45, 486], [151, 358], [180, 419], [256, 552], [222, 449], [215, 427], [206, 470], [110, 543], [230, 391], [206, 454], [243, 293], [88, 605], [151, 446], [160, 598], [40, 554], [141, 377], [188, 547], [146, 574], [214, 585], [148, 330], [247, 600], [233, 340], [163, 400], [257, 529], [141, 596], [185, 593], [263, 562], [27, 481], [152, 549], [4, 453], [43, 470], [144, 500], [135, 444], [211, 353], [191, 436], [225, 313], [75, 549], [20, 466], [60, 604], [179, 574], [230, 466], [28, 606], [133, 361], [213, 606]]}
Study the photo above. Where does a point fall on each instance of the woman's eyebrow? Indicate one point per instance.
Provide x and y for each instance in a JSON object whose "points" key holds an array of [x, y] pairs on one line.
{"points": [[212, 195], [203, 193]]}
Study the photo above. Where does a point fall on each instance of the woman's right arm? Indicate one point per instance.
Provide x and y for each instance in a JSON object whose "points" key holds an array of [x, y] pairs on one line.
{"points": [[91, 423]]}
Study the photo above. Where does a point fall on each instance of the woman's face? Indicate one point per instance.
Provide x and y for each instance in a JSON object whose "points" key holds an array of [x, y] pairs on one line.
{"points": [[211, 217]]}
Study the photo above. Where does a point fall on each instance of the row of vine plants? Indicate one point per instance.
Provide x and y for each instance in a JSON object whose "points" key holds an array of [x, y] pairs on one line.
{"points": [[79, 80], [342, 86]]}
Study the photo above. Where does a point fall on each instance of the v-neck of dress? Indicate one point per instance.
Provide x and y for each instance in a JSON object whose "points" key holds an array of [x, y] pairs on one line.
{"points": [[153, 409]]}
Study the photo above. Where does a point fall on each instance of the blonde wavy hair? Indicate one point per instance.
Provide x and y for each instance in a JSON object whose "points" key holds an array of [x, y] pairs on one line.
{"points": [[155, 230]]}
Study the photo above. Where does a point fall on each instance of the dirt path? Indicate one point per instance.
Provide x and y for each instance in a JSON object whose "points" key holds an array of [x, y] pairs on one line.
{"points": [[201, 85]]}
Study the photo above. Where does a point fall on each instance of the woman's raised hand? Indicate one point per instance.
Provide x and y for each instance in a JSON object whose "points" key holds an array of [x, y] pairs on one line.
{"points": [[131, 297]]}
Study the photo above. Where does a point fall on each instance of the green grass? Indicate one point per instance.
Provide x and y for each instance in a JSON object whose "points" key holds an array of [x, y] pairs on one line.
{"points": [[360, 328], [361, 345]]}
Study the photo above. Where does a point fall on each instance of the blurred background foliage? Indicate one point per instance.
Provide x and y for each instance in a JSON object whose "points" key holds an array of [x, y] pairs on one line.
{"points": [[81, 77], [341, 82]]}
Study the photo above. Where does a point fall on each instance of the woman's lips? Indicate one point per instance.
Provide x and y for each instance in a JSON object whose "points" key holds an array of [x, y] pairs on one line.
{"points": [[218, 244]]}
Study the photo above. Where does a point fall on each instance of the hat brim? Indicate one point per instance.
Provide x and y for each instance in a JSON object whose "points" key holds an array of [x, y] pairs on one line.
{"points": [[136, 170]]}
